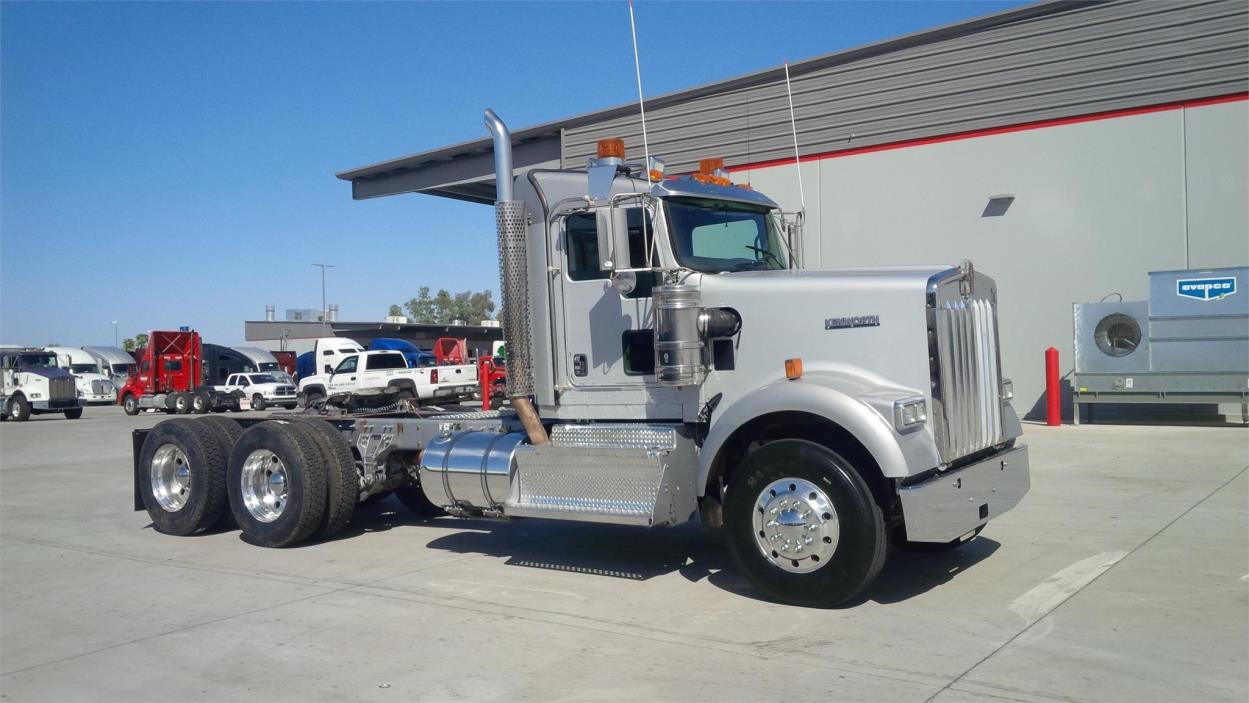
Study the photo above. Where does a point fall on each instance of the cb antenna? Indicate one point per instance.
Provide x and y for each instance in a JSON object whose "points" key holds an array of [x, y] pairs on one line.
{"points": [[793, 127], [637, 69]]}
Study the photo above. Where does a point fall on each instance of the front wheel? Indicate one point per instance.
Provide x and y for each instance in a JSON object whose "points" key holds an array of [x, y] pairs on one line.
{"points": [[802, 524], [18, 409], [73, 413], [258, 402], [130, 404]]}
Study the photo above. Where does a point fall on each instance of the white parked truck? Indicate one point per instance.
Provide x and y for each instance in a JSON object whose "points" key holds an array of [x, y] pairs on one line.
{"points": [[265, 362], [115, 362], [94, 387], [666, 360], [384, 374], [262, 389], [33, 383]]}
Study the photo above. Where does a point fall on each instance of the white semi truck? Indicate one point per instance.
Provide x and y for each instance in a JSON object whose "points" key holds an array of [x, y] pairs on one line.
{"points": [[94, 386], [33, 383], [666, 361]]}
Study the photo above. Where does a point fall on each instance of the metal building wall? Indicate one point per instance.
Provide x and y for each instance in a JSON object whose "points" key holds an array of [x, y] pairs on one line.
{"points": [[1039, 63], [1097, 206]]}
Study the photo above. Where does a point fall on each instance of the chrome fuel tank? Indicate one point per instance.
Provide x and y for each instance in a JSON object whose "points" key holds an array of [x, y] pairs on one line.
{"points": [[470, 470]]}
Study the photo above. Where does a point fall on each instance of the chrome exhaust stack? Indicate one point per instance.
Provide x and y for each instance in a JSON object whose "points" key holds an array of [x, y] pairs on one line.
{"points": [[509, 215]]}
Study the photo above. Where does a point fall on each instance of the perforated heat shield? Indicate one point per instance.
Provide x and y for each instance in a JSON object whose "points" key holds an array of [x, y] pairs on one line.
{"points": [[514, 291]]}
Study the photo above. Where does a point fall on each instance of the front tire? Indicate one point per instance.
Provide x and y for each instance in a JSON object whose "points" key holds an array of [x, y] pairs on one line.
{"points": [[18, 409], [73, 413], [258, 402], [802, 524], [130, 404], [277, 484]]}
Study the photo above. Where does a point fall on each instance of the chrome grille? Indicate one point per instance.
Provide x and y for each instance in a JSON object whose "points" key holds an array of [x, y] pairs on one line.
{"points": [[101, 387], [62, 389], [966, 377]]}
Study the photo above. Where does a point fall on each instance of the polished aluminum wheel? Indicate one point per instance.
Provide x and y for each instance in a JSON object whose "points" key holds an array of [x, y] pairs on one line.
{"points": [[796, 525], [170, 473], [264, 485]]}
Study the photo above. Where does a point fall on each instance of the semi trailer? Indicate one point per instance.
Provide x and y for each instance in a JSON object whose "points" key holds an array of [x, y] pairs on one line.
{"points": [[172, 376], [666, 362]]}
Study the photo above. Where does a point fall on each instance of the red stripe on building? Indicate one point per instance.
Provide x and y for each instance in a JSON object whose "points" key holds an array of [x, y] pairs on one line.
{"points": [[1041, 124]]}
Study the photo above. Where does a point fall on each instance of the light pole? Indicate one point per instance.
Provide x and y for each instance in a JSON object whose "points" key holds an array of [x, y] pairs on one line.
{"points": [[323, 312], [114, 333]]}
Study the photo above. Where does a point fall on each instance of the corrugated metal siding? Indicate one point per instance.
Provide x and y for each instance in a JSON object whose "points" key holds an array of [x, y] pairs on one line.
{"points": [[1075, 60]]}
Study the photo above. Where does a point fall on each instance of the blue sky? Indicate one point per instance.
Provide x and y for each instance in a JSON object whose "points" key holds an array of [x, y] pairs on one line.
{"points": [[166, 164]]}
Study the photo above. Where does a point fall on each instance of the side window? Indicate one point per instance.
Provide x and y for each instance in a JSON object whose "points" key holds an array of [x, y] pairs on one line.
{"points": [[244, 382], [347, 365], [581, 237], [374, 362], [327, 352], [230, 381]]}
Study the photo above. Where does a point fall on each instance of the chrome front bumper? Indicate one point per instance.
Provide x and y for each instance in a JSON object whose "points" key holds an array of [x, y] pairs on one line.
{"points": [[944, 508]]}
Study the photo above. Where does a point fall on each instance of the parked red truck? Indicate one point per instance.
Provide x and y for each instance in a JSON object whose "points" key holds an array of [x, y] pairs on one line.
{"points": [[170, 377]]}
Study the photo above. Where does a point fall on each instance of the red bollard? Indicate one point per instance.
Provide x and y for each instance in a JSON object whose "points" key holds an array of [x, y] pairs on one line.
{"points": [[1053, 392]]}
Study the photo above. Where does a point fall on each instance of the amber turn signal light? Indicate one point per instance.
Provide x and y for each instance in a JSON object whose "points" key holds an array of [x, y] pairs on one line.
{"points": [[793, 369]]}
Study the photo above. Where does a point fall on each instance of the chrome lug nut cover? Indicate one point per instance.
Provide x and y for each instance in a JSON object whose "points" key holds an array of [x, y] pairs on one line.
{"points": [[795, 525]]}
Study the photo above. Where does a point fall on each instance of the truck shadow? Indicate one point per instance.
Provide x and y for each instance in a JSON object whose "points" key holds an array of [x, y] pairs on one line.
{"points": [[615, 551]]}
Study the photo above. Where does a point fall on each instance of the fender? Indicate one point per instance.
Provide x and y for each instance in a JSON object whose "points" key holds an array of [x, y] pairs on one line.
{"points": [[404, 383], [845, 401], [314, 387]]}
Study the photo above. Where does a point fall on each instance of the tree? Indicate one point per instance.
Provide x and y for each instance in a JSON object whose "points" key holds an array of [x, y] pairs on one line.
{"points": [[442, 308], [395, 311], [136, 342]]}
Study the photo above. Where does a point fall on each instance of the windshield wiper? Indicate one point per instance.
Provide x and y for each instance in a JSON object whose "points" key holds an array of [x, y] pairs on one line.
{"points": [[767, 254]]}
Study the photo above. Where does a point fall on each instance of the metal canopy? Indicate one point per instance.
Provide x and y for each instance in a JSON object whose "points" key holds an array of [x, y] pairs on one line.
{"points": [[465, 171]]}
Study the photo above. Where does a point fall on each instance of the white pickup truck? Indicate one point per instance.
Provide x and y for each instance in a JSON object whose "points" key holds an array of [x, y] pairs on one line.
{"points": [[263, 389], [372, 372]]}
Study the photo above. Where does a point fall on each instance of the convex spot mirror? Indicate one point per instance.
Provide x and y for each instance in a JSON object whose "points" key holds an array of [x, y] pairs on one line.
{"points": [[612, 224]]}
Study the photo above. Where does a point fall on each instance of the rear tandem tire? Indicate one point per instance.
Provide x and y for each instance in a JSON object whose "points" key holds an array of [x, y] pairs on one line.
{"points": [[181, 403], [193, 492], [200, 402], [342, 480], [855, 532], [286, 475], [227, 432]]}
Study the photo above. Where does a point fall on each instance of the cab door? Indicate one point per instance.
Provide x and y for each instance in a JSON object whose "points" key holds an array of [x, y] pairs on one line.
{"points": [[605, 340], [345, 376]]}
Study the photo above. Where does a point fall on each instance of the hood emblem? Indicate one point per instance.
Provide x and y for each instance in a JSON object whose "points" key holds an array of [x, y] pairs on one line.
{"points": [[841, 323]]}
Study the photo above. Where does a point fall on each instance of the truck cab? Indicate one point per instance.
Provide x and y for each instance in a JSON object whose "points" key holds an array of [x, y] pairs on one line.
{"points": [[32, 382], [94, 387], [170, 376]]}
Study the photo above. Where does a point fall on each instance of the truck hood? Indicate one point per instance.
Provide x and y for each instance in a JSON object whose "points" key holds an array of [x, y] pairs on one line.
{"points": [[869, 325], [47, 373]]}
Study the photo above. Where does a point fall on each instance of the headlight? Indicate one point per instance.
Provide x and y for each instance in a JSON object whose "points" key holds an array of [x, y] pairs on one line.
{"points": [[1008, 390], [909, 413]]}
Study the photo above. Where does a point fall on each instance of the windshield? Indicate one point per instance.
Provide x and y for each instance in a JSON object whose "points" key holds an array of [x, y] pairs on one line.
{"points": [[37, 361], [84, 368], [123, 369], [263, 378], [720, 235], [269, 366]]}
